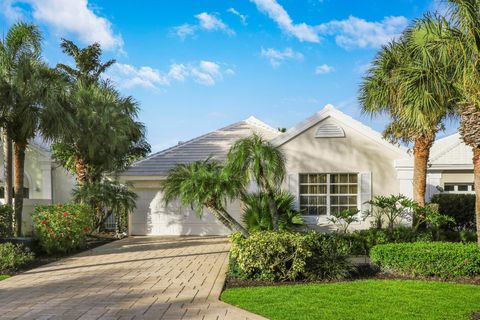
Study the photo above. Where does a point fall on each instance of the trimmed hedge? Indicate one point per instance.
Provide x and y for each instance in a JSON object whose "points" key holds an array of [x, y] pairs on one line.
{"points": [[440, 259], [286, 256], [459, 206]]}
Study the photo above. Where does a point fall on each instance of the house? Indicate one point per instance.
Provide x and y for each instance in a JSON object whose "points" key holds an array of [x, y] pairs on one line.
{"points": [[46, 182], [333, 162]]}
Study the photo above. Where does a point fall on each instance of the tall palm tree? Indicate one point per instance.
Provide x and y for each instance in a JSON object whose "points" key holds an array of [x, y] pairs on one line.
{"points": [[21, 39], [254, 157], [464, 38], [412, 83], [204, 184]]}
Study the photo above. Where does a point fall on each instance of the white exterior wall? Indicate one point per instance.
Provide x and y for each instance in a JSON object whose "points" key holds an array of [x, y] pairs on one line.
{"points": [[356, 153]]}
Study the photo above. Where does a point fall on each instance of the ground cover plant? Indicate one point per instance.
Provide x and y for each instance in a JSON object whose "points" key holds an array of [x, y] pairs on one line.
{"points": [[365, 299]]}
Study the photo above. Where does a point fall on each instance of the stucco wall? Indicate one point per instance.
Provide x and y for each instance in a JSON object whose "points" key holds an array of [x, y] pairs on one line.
{"points": [[456, 177], [63, 185], [354, 153]]}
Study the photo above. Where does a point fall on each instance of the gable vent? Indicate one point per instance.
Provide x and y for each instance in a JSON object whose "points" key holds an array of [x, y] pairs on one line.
{"points": [[329, 130]]}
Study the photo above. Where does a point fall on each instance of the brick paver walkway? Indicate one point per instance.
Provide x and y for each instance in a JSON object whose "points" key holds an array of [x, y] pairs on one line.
{"points": [[134, 278]]}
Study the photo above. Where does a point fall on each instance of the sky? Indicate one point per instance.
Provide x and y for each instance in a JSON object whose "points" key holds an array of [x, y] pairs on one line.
{"points": [[198, 65]]}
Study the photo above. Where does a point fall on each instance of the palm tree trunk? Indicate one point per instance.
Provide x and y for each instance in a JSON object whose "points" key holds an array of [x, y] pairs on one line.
{"points": [[227, 220], [421, 153], [19, 167], [273, 208], [476, 174], [8, 168], [234, 223], [80, 170]]}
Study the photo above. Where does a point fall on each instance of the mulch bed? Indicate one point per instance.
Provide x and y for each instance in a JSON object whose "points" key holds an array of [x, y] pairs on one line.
{"points": [[43, 259], [363, 273]]}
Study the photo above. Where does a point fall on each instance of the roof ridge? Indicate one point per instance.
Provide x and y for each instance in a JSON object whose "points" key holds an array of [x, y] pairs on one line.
{"points": [[252, 120]]}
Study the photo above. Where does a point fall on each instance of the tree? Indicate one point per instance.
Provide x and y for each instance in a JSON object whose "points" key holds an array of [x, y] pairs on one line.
{"points": [[464, 38], [254, 157], [28, 98], [98, 114], [411, 83], [103, 136], [21, 40], [204, 184]]}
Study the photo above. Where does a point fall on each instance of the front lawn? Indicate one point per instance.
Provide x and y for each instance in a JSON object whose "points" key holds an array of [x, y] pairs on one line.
{"points": [[4, 276], [367, 299]]}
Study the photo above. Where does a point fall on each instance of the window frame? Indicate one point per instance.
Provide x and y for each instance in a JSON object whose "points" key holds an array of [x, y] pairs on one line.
{"points": [[329, 194], [470, 187]]}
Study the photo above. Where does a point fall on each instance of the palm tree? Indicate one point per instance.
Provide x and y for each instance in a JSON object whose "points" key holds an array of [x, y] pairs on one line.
{"points": [[94, 103], [204, 184], [464, 38], [22, 39], [254, 157], [412, 84]]}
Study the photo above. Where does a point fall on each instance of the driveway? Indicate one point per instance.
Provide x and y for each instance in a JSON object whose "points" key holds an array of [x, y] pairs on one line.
{"points": [[134, 278]]}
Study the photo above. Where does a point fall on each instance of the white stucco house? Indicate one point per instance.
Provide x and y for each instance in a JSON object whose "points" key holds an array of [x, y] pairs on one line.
{"points": [[46, 182], [333, 162]]}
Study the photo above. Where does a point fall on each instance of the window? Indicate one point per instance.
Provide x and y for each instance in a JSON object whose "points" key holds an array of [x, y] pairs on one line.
{"points": [[327, 193], [458, 188]]}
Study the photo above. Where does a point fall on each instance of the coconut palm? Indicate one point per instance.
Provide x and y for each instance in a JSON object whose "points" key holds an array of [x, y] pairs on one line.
{"points": [[464, 38], [204, 185], [21, 39], [412, 84], [254, 158]]}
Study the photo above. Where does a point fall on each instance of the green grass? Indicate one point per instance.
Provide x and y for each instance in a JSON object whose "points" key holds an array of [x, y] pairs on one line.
{"points": [[4, 276], [368, 299]]}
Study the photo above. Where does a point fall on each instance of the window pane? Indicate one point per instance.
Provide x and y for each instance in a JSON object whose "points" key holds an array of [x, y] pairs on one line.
{"points": [[449, 187], [322, 178], [352, 200], [343, 189], [312, 178], [334, 189], [333, 200], [352, 178], [303, 178], [343, 178], [303, 189], [322, 210], [334, 178], [343, 200], [352, 189], [463, 187]]}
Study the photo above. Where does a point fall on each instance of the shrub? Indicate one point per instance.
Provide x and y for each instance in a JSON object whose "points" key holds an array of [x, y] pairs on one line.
{"points": [[13, 256], [285, 256], [441, 259], [387, 211], [344, 218], [6, 221], [62, 228], [459, 206], [257, 217], [361, 241]]}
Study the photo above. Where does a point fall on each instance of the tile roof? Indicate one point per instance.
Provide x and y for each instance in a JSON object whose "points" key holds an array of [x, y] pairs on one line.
{"points": [[215, 144]]}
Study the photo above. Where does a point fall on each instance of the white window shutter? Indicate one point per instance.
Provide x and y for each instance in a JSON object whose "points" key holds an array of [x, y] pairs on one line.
{"points": [[365, 180], [293, 188]]}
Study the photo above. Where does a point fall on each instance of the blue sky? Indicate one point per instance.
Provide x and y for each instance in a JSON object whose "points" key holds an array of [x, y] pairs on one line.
{"points": [[197, 65]]}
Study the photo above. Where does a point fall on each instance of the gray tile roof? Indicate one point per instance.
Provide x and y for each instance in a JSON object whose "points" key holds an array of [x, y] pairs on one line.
{"points": [[215, 144]]}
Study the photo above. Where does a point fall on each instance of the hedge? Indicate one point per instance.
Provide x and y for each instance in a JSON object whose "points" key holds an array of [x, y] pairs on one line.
{"points": [[440, 259], [288, 256], [13, 256]]}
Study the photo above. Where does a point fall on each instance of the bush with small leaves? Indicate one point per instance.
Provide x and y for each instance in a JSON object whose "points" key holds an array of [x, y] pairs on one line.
{"points": [[13, 256], [440, 259]]}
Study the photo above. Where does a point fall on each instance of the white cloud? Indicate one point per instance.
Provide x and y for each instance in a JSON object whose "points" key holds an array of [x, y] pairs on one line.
{"points": [[243, 18], [276, 12], [324, 69], [185, 30], [11, 12], [210, 22], [356, 32], [70, 17], [276, 57], [204, 72]]}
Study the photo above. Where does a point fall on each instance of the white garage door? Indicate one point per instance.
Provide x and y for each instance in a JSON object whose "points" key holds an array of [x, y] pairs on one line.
{"points": [[151, 217]]}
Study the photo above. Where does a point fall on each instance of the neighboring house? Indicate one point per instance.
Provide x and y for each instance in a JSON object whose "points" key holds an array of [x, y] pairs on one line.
{"points": [[333, 162], [46, 182]]}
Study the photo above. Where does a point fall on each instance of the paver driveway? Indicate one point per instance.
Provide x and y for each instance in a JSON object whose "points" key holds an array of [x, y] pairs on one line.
{"points": [[134, 278]]}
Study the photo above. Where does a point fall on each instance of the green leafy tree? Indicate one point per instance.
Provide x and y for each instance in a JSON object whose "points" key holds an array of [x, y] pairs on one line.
{"points": [[204, 184], [411, 82], [98, 114], [255, 159], [107, 197]]}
